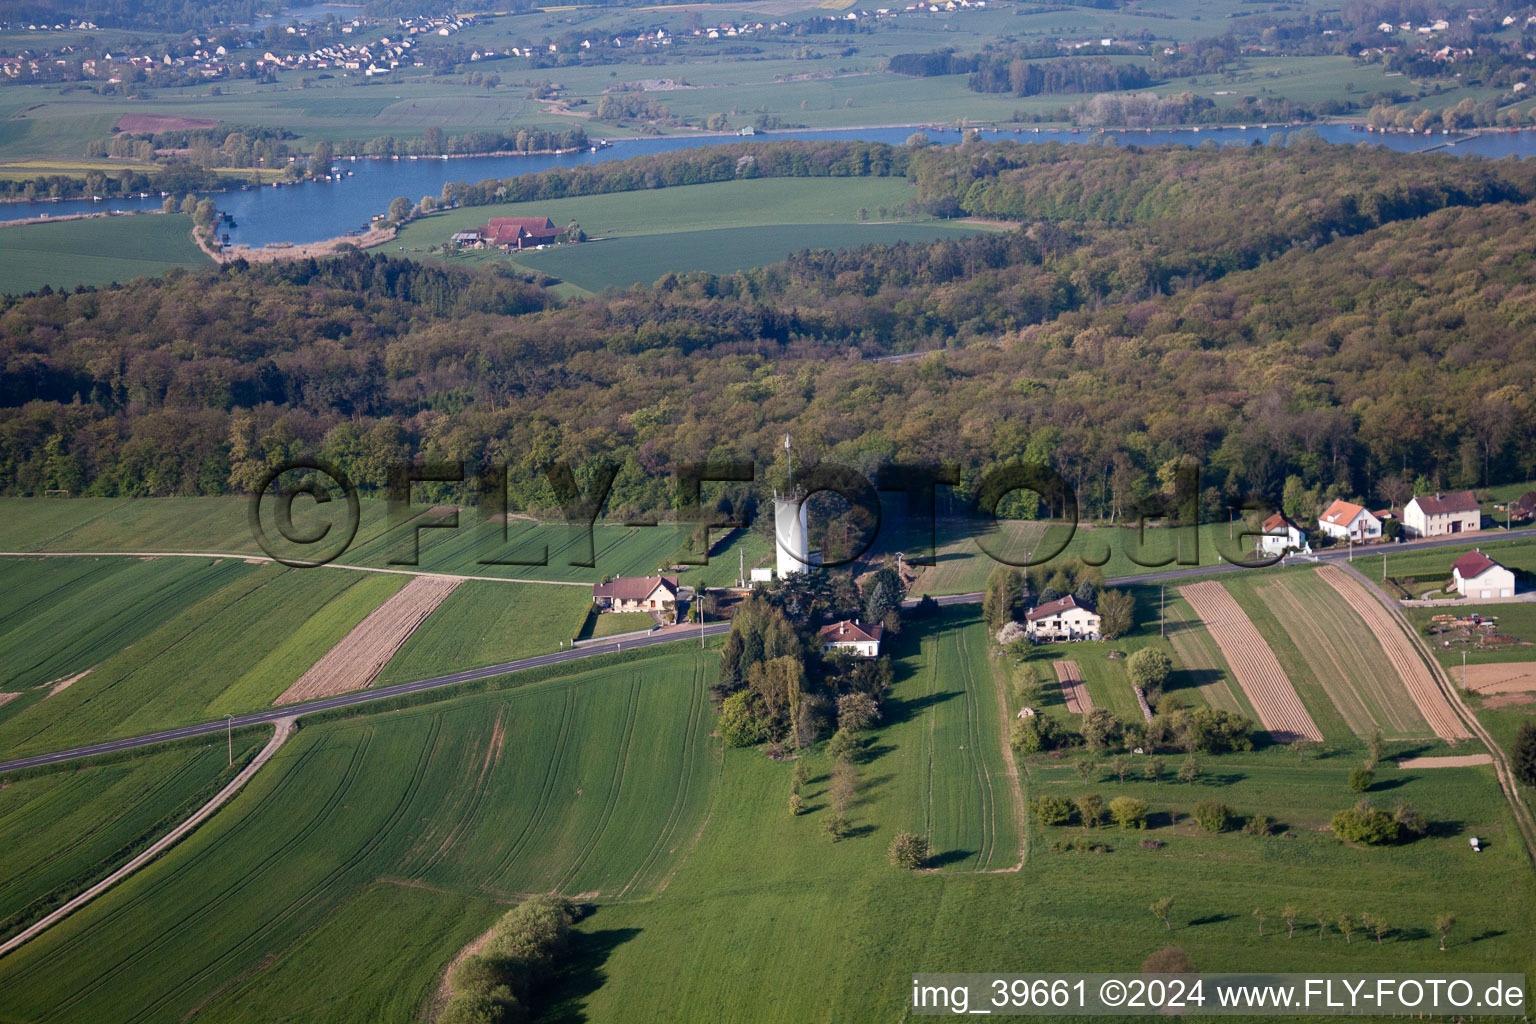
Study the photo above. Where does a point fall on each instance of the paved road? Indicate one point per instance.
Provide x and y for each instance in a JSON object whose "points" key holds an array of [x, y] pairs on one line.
{"points": [[660, 637], [368, 696], [1331, 555]]}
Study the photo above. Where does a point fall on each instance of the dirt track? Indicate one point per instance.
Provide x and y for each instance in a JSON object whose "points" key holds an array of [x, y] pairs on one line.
{"points": [[1437, 711], [282, 729], [1072, 687], [361, 655], [1280, 711], [1508, 677], [1453, 761]]}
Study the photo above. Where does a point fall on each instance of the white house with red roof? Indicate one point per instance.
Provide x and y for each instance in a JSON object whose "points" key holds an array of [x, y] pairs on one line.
{"points": [[1478, 576], [636, 594], [1344, 520], [1065, 618], [1281, 535], [1437, 515], [849, 636]]}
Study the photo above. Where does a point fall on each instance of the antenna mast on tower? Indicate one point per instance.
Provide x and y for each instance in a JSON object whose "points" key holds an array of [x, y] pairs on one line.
{"points": [[790, 458]]}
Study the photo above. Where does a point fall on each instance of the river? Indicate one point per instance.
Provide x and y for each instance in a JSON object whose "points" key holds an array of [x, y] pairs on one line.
{"points": [[314, 211]]}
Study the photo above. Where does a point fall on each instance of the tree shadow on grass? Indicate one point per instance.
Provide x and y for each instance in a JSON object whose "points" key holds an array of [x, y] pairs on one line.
{"points": [[580, 973], [1491, 933], [1159, 819], [859, 831], [874, 751], [1220, 778], [897, 711], [1393, 783], [948, 857], [1211, 919]]}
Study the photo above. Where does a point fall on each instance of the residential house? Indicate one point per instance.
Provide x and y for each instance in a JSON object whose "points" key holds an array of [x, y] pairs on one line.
{"points": [[1478, 576], [1063, 619], [1281, 535], [636, 594], [851, 638], [1441, 514], [1344, 520]]}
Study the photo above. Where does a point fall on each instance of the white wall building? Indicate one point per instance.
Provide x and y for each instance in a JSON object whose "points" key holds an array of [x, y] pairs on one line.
{"points": [[1062, 619], [1281, 535], [1344, 520], [791, 535], [1477, 576], [851, 637], [1438, 515]]}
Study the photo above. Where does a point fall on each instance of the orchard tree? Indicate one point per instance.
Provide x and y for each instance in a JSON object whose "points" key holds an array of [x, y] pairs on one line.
{"points": [[1162, 909], [1289, 916], [1149, 668], [1525, 754]]}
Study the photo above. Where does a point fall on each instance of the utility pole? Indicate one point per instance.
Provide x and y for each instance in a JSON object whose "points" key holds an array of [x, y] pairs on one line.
{"points": [[1463, 670], [701, 621], [229, 730]]}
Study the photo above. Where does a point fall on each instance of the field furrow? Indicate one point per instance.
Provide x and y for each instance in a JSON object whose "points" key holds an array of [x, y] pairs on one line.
{"points": [[1273, 697], [1399, 648], [1072, 689], [361, 655]]}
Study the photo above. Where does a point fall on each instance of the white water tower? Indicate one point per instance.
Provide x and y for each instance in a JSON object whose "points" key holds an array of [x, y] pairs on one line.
{"points": [[791, 534]]}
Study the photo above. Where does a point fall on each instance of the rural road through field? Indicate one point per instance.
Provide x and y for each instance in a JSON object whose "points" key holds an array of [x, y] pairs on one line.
{"points": [[295, 711], [559, 657], [284, 729]]}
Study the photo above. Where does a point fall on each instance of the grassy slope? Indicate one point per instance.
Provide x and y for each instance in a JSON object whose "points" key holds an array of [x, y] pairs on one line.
{"points": [[404, 833], [484, 623], [729, 204], [621, 262], [99, 250], [850, 930], [249, 632], [66, 829]]}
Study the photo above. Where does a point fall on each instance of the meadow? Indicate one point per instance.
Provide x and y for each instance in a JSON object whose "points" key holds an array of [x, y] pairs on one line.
{"points": [[643, 259], [400, 837], [728, 204], [94, 251], [227, 637], [63, 830]]}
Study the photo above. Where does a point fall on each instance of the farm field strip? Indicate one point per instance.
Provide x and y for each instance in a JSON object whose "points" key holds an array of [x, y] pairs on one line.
{"points": [[1072, 689], [1280, 711], [1411, 668], [1200, 657], [582, 774], [1345, 659], [362, 654], [1502, 677]]}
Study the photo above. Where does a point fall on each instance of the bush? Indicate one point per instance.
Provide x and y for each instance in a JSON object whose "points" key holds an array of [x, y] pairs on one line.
{"points": [[1410, 823], [1213, 816], [1259, 825], [1366, 825], [740, 724], [909, 850], [1036, 733], [1090, 810], [1128, 812], [1149, 669], [492, 988], [842, 746], [1052, 810], [836, 826], [1360, 779], [1102, 730]]}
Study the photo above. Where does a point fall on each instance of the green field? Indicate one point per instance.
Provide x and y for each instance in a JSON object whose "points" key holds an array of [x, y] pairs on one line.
{"points": [[400, 837], [226, 637], [220, 526], [616, 623], [1343, 656], [642, 259], [484, 623], [727, 204], [338, 884], [95, 251], [66, 829]]}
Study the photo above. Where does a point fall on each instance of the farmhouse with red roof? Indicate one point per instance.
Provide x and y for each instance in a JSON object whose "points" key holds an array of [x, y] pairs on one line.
{"points": [[636, 594], [1480, 577], [514, 234], [1344, 520], [1066, 618], [851, 638], [1436, 515]]}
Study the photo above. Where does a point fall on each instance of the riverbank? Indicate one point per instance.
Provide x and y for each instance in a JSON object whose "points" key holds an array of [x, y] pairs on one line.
{"points": [[274, 252]]}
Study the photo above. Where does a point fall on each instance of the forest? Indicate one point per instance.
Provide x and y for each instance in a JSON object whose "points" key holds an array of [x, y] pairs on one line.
{"points": [[1356, 327]]}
